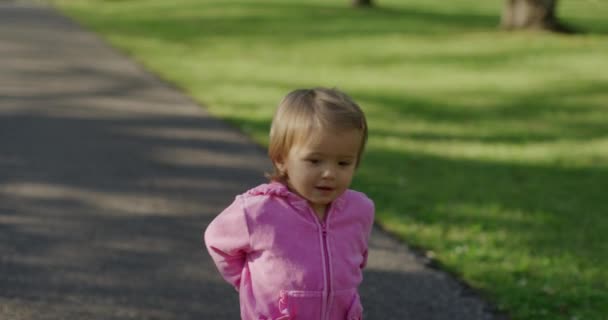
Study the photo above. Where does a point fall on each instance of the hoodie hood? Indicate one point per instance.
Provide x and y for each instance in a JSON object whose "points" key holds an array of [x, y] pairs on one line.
{"points": [[277, 189]]}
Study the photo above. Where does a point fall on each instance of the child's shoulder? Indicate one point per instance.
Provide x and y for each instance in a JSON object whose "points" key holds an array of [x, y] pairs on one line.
{"points": [[266, 193], [266, 190], [358, 204], [267, 200], [358, 198]]}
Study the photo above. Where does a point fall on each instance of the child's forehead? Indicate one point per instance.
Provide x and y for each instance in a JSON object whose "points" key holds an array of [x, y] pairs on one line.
{"points": [[343, 141]]}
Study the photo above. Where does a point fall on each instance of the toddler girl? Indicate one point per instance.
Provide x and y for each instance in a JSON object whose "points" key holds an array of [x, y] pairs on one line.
{"points": [[294, 248]]}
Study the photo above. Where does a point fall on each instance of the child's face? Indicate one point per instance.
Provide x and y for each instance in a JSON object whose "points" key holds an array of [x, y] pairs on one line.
{"points": [[321, 167]]}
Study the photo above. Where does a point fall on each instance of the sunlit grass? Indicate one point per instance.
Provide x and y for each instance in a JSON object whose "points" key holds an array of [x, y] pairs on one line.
{"points": [[487, 148]]}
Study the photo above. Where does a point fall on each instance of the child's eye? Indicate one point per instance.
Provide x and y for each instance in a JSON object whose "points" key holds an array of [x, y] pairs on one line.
{"points": [[313, 161], [344, 163]]}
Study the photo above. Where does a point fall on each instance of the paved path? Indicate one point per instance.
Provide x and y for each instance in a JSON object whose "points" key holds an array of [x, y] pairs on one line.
{"points": [[107, 178]]}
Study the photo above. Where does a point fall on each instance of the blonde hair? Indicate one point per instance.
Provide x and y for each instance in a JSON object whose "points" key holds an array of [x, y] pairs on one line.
{"points": [[305, 110]]}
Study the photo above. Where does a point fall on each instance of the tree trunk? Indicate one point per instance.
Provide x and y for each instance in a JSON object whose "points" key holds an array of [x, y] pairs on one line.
{"points": [[531, 14], [363, 3]]}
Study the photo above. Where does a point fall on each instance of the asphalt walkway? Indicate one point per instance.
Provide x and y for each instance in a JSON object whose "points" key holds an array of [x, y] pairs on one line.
{"points": [[108, 177]]}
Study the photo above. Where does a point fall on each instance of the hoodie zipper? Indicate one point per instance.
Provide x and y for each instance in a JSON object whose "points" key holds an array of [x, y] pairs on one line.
{"points": [[325, 305], [329, 273]]}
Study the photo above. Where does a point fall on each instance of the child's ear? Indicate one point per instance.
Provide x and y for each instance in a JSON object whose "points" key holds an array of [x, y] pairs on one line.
{"points": [[280, 164]]}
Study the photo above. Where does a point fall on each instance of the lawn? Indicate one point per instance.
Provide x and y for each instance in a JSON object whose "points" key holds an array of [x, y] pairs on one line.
{"points": [[488, 149]]}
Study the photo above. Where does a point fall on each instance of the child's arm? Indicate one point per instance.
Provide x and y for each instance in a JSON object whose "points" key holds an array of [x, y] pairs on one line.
{"points": [[227, 240], [370, 224]]}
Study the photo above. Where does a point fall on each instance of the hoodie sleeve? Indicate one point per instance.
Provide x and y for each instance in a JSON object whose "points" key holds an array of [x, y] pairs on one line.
{"points": [[371, 210], [227, 240]]}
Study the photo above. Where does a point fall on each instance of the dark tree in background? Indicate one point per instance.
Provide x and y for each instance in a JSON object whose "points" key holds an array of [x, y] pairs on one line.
{"points": [[363, 3], [532, 14], [518, 14]]}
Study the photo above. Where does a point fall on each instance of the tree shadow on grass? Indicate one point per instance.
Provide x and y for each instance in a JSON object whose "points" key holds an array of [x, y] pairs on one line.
{"points": [[554, 113], [546, 215], [286, 23]]}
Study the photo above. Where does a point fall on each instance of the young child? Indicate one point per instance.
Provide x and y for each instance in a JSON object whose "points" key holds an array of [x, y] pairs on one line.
{"points": [[295, 248]]}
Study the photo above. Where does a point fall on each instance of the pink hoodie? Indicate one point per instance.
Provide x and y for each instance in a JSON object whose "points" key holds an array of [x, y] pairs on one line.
{"points": [[285, 263]]}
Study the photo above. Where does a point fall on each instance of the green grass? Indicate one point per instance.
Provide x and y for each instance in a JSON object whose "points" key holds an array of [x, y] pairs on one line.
{"points": [[488, 148]]}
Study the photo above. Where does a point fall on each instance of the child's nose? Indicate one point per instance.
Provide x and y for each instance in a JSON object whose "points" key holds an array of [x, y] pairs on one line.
{"points": [[328, 172]]}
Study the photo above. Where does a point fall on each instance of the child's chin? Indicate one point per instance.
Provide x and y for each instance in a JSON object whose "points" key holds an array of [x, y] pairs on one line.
{"points": [[322, 201], [325, 201]]}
